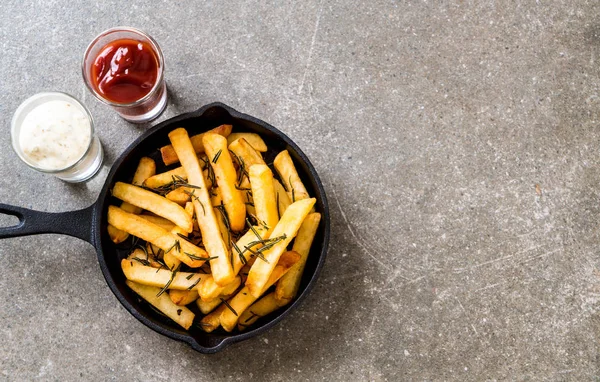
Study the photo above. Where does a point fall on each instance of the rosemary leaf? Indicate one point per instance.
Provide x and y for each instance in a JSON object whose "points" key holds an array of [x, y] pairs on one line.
{"points": [[216, 157], [229, 306]]}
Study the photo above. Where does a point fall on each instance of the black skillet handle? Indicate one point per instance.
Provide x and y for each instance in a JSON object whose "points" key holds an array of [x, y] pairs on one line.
{"points": [[74, 223]]}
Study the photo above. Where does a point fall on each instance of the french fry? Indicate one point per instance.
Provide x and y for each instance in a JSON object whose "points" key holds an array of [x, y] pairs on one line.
{"points": [[180, 195], [145, 169], [161, 222], [222, 164], [263, 194], [183, 297], [171, 261], [180, 314], [186, 252], [281, 196], [285, 230], [212, 320], [246, 153], [161, 278], [205, 216], [165, 178], [232, 287], [228, 291], [261, 308], [207, 307], [209, 289], [287, 286], [252, 138], [289, 176], [244, 298], [155, 203], [170, 156], [116, 235]]}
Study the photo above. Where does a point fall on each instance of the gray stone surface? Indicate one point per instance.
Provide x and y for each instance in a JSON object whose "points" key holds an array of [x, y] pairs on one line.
{"points": [[458, 142]]}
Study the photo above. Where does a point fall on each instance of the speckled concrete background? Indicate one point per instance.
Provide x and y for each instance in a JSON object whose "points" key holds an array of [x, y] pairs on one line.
{"points": [[458, 142]]}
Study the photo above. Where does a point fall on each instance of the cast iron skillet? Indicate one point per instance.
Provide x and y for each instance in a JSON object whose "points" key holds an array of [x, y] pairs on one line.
{"points": [[90, 223]]}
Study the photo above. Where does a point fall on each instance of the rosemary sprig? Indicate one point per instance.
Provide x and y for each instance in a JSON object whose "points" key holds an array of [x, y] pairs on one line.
{"points": [[176, 182], [211, 173], [194, 257], [190, 276], [216, 157], [267, 244], [240, 254], [223, 212], [152, 250], [253, 230], [194, 284], [192, 196], [176, 245], [140, 247], [200, 324], [180, 182], [229, 306], [235, 157], [183, 237], [257, 254], [251, 317], [173, 273], [142, 261], [242, 169], [162, 264], [258, 221]]}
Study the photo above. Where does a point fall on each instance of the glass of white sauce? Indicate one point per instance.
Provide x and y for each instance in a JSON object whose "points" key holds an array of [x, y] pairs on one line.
{"points": [[53, 133]]}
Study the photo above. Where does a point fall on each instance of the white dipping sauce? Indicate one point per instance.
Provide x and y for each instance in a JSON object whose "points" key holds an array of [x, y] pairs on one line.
{"points": [[55, 135]]}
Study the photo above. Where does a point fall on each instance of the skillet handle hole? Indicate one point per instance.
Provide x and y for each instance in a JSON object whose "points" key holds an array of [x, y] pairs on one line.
{"points": [[8, 221]]}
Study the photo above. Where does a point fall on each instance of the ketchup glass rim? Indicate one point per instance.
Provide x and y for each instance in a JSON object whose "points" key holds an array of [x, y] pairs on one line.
{"points": [[15, 137], [155, 47]]}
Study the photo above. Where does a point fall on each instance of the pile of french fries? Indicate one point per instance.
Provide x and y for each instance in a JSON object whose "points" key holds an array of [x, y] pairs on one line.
{"points": [[215, 231]]}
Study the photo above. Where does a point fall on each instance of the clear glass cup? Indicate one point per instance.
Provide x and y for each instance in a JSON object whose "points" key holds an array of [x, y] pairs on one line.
{"points": [[152, 104], [86, 166]]}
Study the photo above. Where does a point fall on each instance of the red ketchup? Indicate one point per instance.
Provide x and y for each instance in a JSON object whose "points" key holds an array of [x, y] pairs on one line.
{"points": [[125, 71]]}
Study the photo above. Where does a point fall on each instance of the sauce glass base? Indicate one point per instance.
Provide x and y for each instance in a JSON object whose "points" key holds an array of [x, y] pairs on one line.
{"points": [[147, 111], [85, 167], [152, 104]]}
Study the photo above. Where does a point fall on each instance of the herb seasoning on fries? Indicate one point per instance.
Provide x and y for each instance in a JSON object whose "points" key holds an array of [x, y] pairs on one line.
{"points": [[219, 235]]}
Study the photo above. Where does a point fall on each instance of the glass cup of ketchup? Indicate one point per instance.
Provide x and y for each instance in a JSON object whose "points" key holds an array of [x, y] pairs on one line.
{"points": [[123, 67]]}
